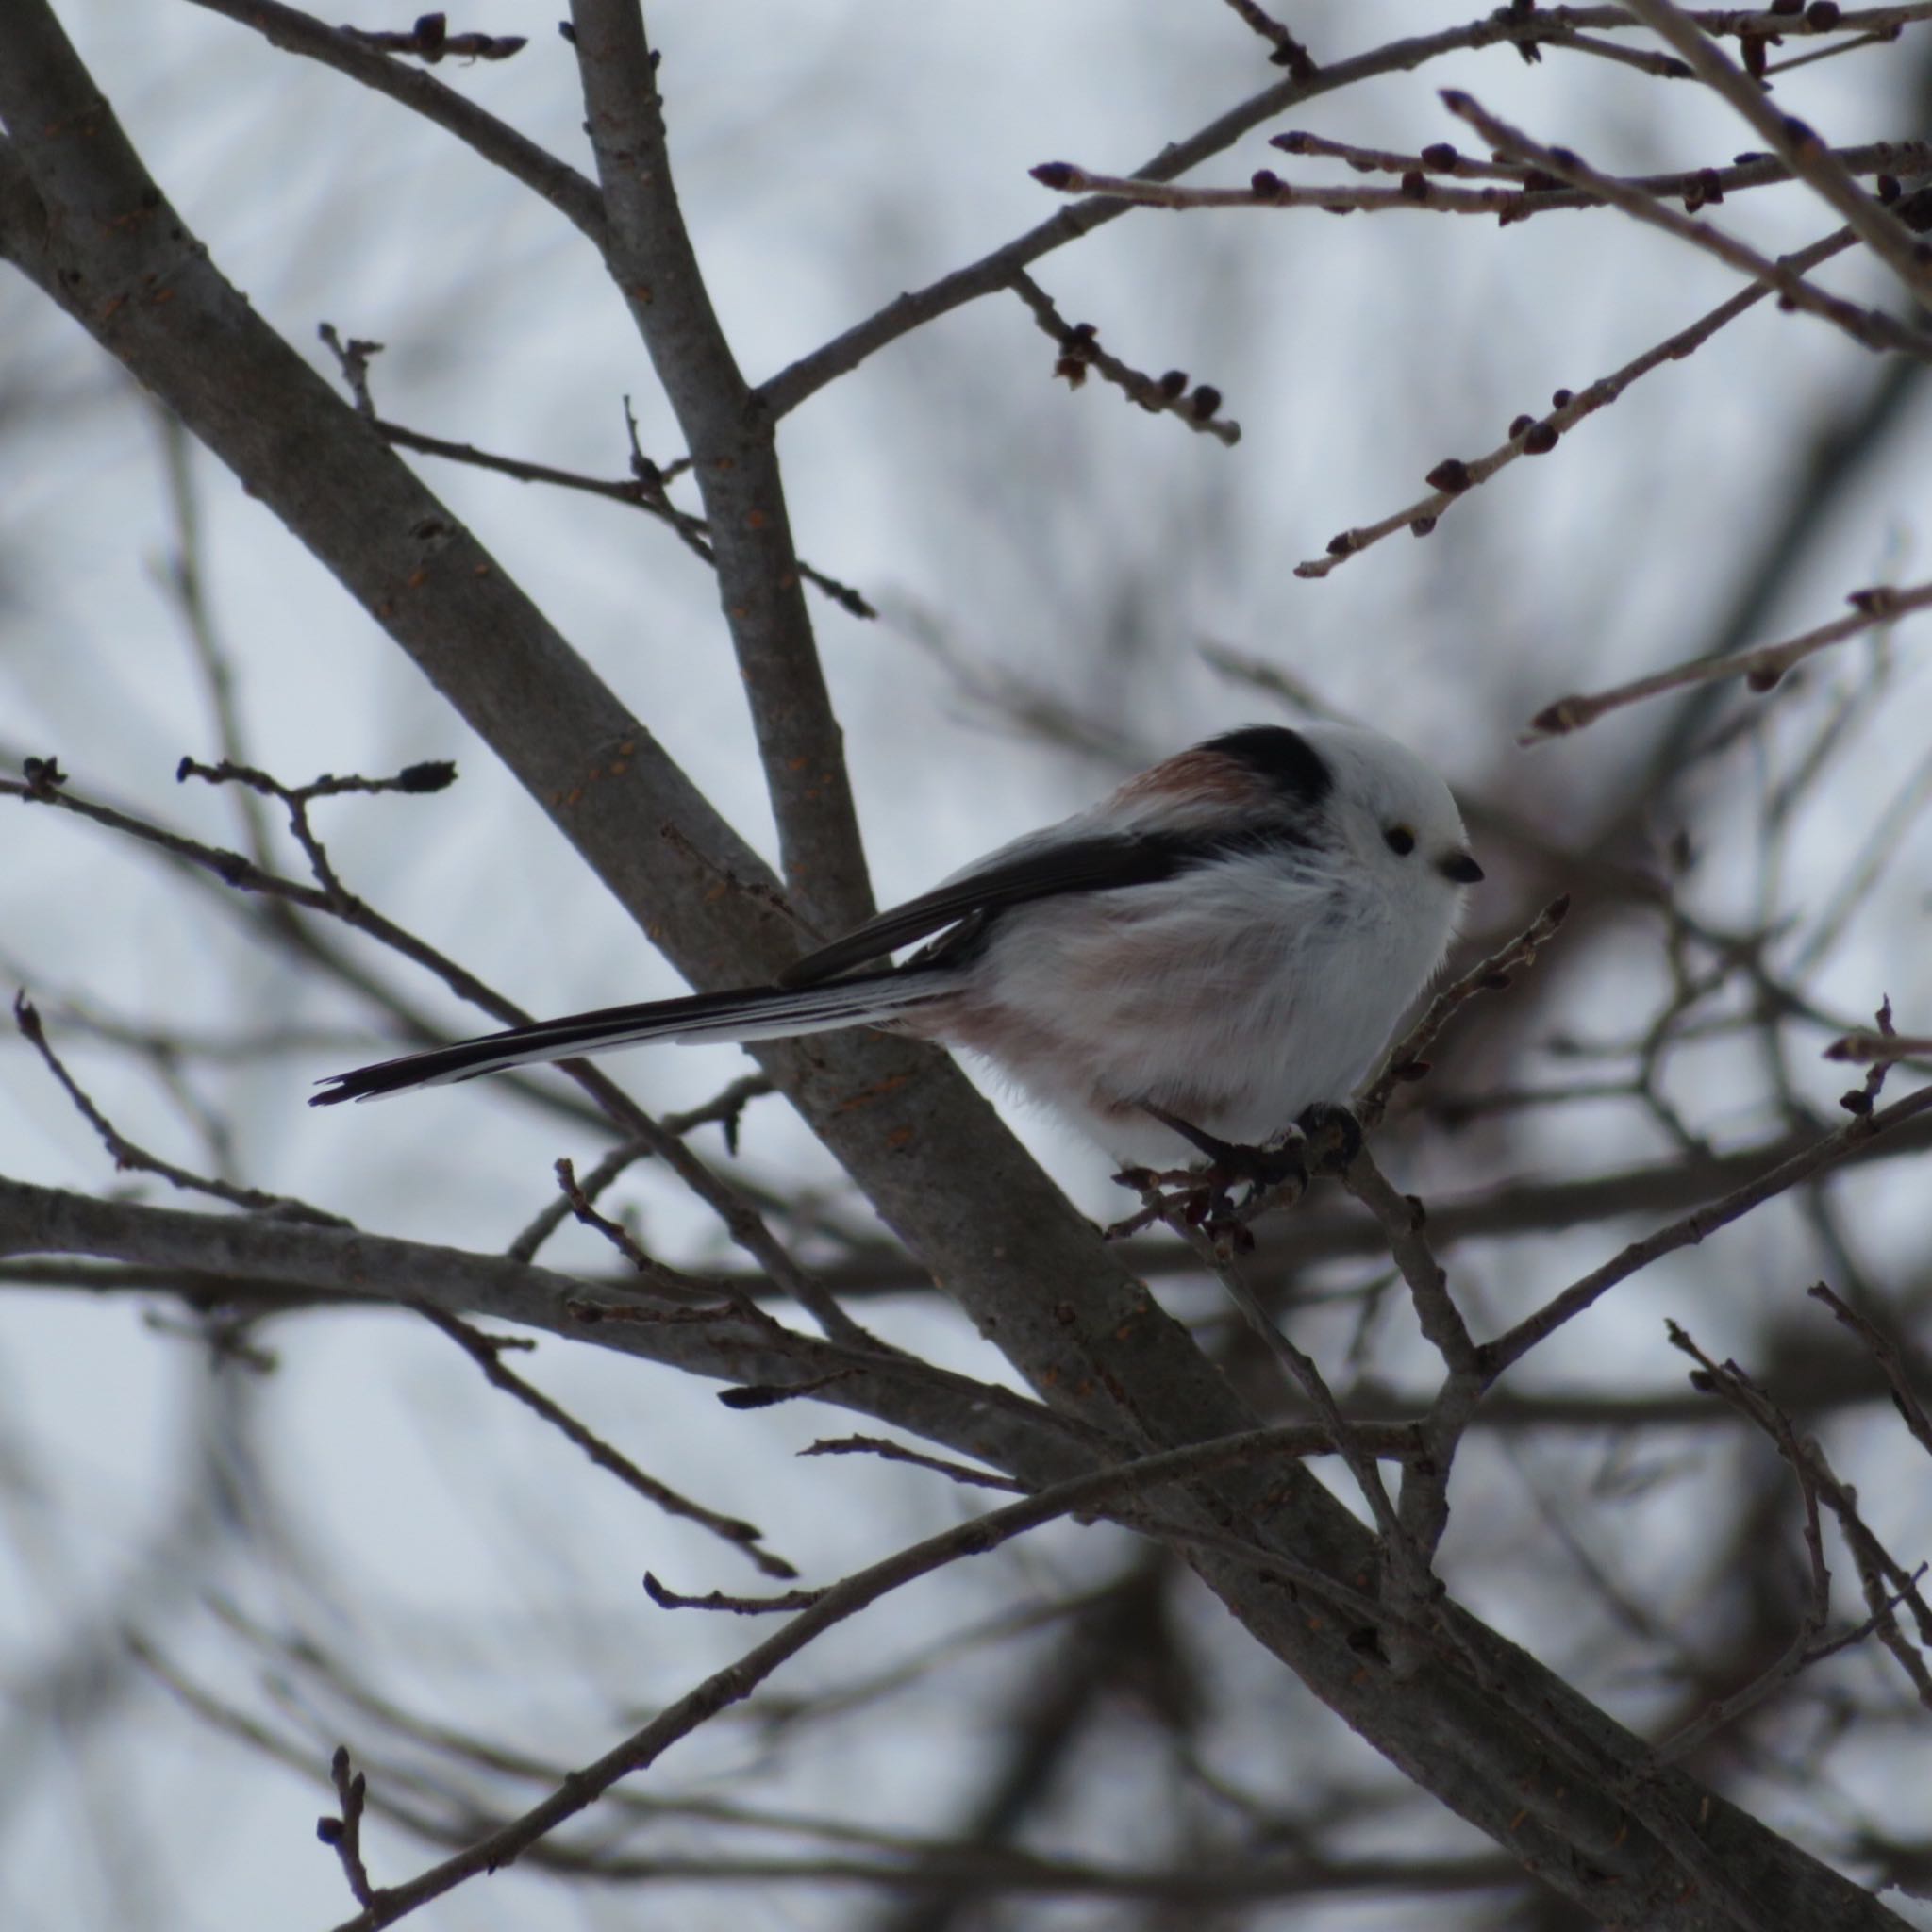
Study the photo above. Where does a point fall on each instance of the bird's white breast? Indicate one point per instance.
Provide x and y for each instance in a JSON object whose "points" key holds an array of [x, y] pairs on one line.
{"points": [[1235, 996]]}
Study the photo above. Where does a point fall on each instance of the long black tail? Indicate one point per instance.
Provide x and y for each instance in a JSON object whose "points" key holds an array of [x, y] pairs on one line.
{"points": [[760, 1012]]}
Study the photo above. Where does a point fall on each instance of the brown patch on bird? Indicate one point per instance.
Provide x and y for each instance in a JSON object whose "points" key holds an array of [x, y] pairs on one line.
{"points": [[1200, 776]]}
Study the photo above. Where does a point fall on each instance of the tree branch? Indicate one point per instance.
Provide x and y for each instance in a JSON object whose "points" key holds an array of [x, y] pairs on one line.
{"points": [[1796, 145], [735, 463], [1514, 1343], [1762, 668], [1871, 327]]}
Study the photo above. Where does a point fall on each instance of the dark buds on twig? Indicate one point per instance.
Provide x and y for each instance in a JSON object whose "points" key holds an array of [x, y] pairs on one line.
{"points": [[431, 40], [1082, 353], [44, 778]]}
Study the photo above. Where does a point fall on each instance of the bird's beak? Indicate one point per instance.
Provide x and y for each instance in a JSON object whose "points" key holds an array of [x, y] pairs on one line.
{"points": [[1460, 867]]}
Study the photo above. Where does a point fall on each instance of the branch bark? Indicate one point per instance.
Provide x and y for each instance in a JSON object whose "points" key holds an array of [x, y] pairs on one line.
{"points": [[733, 448]]}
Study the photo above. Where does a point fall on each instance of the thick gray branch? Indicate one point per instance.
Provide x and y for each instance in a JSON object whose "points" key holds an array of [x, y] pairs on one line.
{"points": [[733, 447]]}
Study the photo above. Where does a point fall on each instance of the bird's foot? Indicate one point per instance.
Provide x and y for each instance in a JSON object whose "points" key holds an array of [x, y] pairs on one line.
{"points": [[1200, 1197], [1184, 1197]]}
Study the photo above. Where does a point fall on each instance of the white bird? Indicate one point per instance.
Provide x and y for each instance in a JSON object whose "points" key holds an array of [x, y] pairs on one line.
{"points": [[1217, 950]]}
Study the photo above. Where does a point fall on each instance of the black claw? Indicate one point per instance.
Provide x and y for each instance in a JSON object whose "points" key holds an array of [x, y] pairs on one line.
{"points": [[1204, 1142]]}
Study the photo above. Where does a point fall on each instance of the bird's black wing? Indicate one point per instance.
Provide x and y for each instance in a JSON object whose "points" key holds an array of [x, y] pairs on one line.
{"points": [[1102, 863]]}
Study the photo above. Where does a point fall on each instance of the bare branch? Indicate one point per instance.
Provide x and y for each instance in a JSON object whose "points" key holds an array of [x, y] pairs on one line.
{"points": [[1289, 52], [431, 40], [1887, 1584], [720, 1599], [645, 494], [46, 784], [1884, 1352], [497, 142], [1869, 1049], [1761, 669], [1405, 1061], [1807, 1644], [486, 1351], [726, 1109], [1530, 190], [1350, 1611], [344, 1831], [896, 1452], [1403, 1221], [1197, 406], [1871, 327], [792, 386], [971, 1416], [128, 1155], [1453, 479], [1514, 1343], [1796, 145]]}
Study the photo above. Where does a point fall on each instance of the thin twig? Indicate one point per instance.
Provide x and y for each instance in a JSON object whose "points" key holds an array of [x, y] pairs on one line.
{"points": [[1526, 191], [130, 1157], [724, 1600], [486, 1351], [1405, 1061], [645, 489], [1884, 1352], [495, 141], [1761, 667], [888, 1451], [1888, 1585], [1289, 52], [1454, 478], [1694, 187], [1198, 407], [1871, 327], [1807, 1644], [344, 1831], [1403, 1221], [186, 582], [658, 1275], [637, 492], [726, 1109], [430, 39], [1267, 189], [1796, 145], [435, 774], [1409, 1563], [1514, 1343]]}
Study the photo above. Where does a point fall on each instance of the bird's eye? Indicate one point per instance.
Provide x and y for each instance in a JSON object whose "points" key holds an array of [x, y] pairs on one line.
{"points": [[1400, 841]]}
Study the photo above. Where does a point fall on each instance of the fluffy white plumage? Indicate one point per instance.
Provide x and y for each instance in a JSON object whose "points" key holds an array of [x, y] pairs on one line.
{"points": [[1232, 938]]}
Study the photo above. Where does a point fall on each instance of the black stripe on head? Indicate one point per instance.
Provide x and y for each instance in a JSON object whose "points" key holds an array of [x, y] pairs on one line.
{"points": [[1285, 758]]}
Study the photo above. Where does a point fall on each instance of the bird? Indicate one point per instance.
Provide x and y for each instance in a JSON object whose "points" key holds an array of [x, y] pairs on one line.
{"points": [[1206, 959]]}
